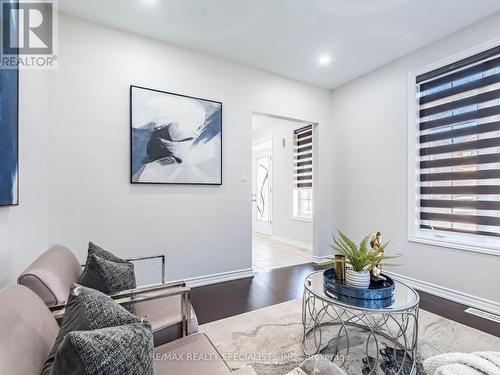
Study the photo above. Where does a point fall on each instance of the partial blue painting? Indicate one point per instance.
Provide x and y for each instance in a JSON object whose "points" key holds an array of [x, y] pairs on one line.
{"points": [[8, 137], [176, 139]]}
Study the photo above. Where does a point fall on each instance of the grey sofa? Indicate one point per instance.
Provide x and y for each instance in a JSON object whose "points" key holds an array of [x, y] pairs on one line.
{"points": [[28, 331], [166, 306]]}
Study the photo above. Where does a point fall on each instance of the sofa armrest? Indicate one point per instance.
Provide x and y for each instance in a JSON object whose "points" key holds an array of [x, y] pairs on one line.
{"points": [[144, 294], [130, 292], [148, 288]]}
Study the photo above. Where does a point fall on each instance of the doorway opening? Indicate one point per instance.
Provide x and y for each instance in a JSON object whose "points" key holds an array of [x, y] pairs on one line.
{"points": [[282, 192]]}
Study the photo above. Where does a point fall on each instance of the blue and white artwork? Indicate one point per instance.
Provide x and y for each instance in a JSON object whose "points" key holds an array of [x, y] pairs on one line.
{"points": [[8, 137], [175, 139]]}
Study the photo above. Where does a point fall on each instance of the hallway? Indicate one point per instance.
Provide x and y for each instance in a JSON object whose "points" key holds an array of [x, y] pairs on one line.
{"points": [[269, 253]]}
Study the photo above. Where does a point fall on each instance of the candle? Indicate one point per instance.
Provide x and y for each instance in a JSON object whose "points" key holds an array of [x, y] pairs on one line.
{"points": [[340, 267]]}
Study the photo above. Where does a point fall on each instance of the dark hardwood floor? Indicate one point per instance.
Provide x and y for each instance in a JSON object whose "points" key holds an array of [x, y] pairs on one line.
{"points": [[218, 301], [455, 311]]}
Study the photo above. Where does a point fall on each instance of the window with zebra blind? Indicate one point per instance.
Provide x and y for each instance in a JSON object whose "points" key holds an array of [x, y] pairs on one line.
{"points": [[303, 173], [454, 147]]}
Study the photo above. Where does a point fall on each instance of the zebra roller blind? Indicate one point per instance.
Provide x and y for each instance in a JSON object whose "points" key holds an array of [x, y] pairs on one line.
{"points": [[459, 146], [303, 162]]}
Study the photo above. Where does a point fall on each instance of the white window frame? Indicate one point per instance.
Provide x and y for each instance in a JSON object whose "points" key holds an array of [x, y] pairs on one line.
{"points": [[451, 240], [295, 208], [295, 191]]}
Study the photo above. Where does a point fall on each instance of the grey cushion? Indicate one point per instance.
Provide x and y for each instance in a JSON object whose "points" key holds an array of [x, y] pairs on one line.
{"points": [[124, 350], [107, 276], [108, 273], [100, 252], [88, 309]]}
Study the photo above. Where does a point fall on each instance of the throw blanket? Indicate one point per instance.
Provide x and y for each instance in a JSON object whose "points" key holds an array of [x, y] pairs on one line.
{"points": [[480, 363]]}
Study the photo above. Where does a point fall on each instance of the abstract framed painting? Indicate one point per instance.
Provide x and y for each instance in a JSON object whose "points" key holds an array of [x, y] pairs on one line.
{"points": [[175, 139], [9, 136]]}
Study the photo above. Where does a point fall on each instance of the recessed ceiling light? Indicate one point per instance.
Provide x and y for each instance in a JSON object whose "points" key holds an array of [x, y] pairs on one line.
{"points": [[149, 2], [325, 60]]}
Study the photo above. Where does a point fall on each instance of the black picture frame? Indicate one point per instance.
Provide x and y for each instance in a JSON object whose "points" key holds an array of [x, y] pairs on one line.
{"points": [[132, 87]]}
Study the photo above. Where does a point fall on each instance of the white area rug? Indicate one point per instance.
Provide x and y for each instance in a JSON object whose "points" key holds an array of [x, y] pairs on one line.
{"points": [[270, 340]]}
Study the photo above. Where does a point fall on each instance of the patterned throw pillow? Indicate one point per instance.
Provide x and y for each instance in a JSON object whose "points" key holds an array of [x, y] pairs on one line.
{"points": [[107, 276], [124, 350], [88, 309], [100, 252]]}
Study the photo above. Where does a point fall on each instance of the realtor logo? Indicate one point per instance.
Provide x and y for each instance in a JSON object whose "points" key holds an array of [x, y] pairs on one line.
{"points": [[28, 34]]}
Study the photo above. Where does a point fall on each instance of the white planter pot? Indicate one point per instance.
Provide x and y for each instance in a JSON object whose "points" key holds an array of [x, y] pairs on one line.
{"points": [[360, 280]]}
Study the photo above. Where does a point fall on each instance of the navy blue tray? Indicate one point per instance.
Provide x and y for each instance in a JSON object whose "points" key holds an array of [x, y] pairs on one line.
{"points": [[362, 303], [380, 289]]}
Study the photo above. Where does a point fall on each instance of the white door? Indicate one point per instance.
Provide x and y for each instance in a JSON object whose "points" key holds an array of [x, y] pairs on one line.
{"points": [[262, 190]]}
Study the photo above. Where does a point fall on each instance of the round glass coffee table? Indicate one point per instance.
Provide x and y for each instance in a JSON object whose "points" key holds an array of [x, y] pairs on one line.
{"points": [[345, 329]]}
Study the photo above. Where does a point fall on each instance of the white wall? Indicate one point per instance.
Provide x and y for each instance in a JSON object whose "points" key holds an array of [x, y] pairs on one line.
{"points": [[75, 155], [284, 224], [369, 116], [24, 229]]}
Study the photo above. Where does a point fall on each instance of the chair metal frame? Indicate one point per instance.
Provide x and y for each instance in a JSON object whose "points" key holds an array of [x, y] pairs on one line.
{"points": [[148, 257], [148, 293]]}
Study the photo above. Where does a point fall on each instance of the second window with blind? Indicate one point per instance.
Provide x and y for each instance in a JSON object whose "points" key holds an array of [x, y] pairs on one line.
{"points": [[303, 173], [455, 158]]}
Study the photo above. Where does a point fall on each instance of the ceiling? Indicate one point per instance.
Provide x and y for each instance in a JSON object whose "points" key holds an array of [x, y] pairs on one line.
{"points": [[288, 37]]}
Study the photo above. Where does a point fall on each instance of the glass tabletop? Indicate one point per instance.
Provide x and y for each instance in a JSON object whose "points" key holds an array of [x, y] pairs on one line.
{"points": [[405, 297]]}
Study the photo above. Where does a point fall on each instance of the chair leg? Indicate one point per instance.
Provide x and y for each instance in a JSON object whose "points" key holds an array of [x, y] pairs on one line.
{"points": [[188, 313], [184, 312]]}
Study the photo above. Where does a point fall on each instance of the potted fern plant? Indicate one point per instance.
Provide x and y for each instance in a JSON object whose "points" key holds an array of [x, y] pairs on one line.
{"points": [[360, 258]]}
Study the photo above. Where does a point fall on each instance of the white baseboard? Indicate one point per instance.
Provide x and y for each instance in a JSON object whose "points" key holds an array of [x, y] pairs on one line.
{"points": [[449, 294], [292, 242], [219, 277]]}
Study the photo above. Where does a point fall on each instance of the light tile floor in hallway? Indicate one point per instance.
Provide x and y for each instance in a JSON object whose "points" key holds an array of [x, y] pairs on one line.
{"points": [[269, 253]]}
